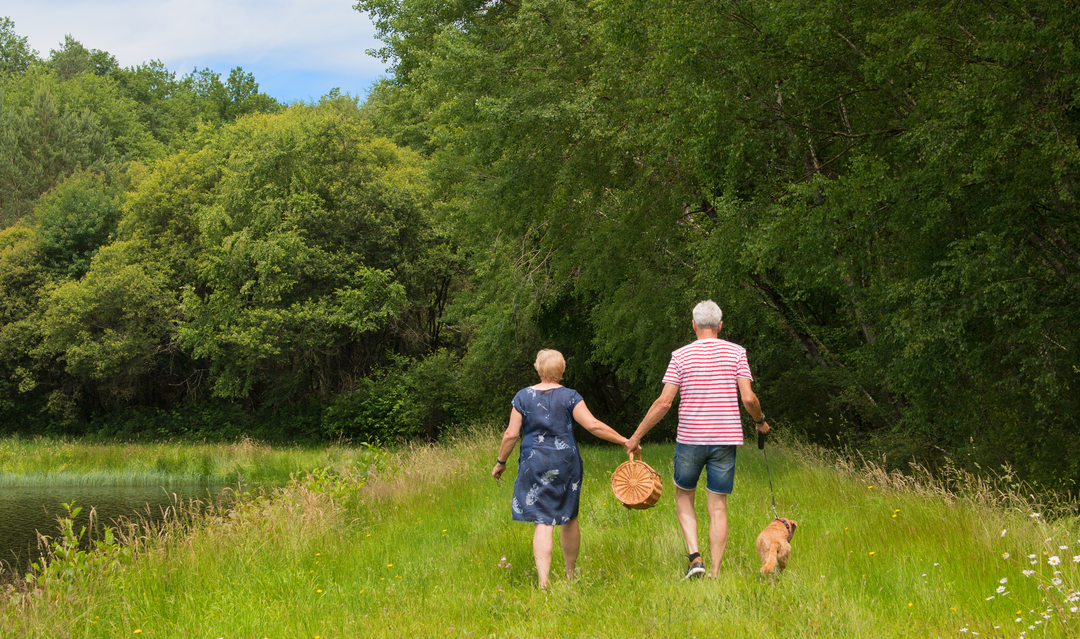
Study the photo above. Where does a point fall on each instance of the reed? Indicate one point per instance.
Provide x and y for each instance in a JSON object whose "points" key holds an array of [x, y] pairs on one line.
{"points": [[427, 548], [43, 461]]}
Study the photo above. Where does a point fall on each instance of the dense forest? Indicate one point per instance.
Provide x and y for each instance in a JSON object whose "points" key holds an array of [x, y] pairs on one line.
{"points": [[881, 197]]}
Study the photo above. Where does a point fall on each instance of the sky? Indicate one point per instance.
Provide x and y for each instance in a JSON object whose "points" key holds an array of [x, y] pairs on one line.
{"points": [[296, 49]]}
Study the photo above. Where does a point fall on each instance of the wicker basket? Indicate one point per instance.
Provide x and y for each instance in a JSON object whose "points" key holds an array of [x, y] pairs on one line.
{"points": [[636, 484]]}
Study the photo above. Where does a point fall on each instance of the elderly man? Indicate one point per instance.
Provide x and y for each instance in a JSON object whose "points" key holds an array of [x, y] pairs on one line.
{"points": [[708, 372]]}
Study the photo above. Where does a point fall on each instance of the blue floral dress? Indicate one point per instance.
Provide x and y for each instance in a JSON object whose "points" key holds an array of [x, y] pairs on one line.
{"points": [[548, 485]]}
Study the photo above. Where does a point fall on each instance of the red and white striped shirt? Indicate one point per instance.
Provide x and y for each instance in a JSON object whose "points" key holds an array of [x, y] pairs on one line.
{"points": [[705, 372]]}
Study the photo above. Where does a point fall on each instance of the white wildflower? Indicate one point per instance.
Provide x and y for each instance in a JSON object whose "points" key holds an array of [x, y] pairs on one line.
{"points": [[1004, 580], [1001, 589], [1053, 561]]}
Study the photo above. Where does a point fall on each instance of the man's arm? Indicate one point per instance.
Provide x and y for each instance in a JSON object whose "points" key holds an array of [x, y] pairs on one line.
{"points": [[751, 404], [656, 412]]}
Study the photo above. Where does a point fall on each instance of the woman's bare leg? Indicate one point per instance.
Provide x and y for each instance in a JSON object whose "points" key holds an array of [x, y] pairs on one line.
{"points": [[543, 543], [571, 542]]}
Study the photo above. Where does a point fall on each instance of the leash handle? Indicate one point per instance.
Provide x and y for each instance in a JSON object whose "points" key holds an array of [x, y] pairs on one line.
{"points": [[761, 440]]}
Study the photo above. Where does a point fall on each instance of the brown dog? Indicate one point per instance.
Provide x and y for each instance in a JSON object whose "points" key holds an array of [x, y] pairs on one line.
{"points": [[774, 545]]}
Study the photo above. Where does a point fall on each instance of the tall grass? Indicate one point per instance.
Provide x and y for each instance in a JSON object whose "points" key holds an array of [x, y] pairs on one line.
{"points": [[44, 461], [420, 552]]}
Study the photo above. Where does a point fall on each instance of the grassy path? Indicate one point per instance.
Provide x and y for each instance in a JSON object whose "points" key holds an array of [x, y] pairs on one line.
{"points": [[418, 554]]}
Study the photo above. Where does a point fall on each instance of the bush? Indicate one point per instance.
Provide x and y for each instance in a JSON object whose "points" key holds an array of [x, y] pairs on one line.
{"points": [[408, 399]]}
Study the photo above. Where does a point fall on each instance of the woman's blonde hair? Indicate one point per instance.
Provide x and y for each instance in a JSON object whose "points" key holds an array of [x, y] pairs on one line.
{"points": [[550, 364]]}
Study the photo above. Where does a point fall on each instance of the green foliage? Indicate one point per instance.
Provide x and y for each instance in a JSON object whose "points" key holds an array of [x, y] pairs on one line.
{"points": [[69, 563], [40, 145], [286, 259], [75, 220], [219, 102], [882, 199], [399, 402], [15, 53], [300, 244], [72, 58], [178, 241], [106, 328], [166, 105]]}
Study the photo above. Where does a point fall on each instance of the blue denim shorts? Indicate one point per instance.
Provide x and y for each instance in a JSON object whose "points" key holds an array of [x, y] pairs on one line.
{"points": [[718, 462]]}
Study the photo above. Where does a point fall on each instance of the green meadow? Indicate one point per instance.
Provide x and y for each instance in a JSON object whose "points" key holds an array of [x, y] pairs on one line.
{"points": [[420, 543]]}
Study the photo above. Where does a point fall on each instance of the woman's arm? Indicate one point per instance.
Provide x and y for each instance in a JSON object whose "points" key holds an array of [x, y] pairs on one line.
{"points": [[509, 440], [595, 426]]}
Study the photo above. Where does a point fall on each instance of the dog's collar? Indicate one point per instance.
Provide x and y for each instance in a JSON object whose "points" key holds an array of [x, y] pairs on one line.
{"points": [[783, 521]]}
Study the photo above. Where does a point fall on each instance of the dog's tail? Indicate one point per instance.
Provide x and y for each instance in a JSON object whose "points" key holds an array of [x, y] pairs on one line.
{"points": [[769, 567]]}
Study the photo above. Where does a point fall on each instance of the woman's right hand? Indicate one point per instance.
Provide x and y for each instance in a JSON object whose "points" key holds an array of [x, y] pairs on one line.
{"points": [[498, 470]]}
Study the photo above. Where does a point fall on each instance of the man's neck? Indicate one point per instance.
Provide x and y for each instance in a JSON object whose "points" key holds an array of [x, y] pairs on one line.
{"points": [[707, 334]]}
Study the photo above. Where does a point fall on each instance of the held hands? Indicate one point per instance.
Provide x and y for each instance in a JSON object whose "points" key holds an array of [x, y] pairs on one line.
{"points": [[632, 446]]}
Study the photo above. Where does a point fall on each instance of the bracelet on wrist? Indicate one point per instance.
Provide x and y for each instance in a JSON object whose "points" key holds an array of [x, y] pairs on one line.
{"points": [[499, 462], [760, 421]]}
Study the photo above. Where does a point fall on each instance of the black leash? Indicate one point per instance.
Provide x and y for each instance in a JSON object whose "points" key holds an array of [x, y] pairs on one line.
{"points": [[761, 447]]}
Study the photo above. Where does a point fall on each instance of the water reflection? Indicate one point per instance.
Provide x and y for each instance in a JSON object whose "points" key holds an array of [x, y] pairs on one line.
{"points": [[26, 509]]}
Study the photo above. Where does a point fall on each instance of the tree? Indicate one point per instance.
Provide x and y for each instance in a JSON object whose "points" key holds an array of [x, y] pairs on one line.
{"points": [[106, 330], [39, 146], [165, 104], [307, 230], [15, 54], [72, 58], [876, 195], [74, 220], [224, 102]]}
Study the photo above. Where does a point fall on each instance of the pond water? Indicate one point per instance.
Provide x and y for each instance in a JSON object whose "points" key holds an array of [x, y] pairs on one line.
{"points": [[27, 510]]}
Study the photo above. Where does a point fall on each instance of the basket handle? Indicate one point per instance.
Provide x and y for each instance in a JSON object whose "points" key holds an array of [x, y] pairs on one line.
{"points": [[631, 456]]}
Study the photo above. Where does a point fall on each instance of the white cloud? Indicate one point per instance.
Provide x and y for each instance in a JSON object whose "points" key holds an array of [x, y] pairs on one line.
{"points": [[325, 39]]}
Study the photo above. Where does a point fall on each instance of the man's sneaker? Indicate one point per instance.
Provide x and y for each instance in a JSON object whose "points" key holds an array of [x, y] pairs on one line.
{"points": [[696, 569]]}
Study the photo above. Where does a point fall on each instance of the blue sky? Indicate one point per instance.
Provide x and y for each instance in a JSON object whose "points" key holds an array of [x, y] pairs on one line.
{"points": [[297, 50]]}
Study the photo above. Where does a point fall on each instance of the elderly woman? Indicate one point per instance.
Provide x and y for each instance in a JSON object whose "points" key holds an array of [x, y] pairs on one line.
{"points": [[548, 486]]}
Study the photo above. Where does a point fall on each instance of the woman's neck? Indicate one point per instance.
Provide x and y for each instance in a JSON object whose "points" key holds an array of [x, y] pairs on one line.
{"points": [[546, 384]]}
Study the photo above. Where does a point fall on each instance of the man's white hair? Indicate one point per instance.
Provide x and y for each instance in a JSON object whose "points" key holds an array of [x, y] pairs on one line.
{"points": [[708, 315]]}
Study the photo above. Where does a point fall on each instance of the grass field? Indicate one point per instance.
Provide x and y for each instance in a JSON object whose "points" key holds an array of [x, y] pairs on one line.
{"points": [[419, 550], [65, 462]]}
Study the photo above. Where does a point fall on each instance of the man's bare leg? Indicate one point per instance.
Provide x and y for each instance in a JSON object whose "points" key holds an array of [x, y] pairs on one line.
{"points": [[718, 529], [684, 510]]}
